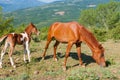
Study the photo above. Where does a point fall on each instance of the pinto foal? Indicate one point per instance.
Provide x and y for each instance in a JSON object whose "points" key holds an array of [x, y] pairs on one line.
{"points": [[12, 39]]}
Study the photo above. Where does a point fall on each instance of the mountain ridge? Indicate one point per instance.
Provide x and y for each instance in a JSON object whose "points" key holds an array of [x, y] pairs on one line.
{"points": [[13, 5], [64, 11]]}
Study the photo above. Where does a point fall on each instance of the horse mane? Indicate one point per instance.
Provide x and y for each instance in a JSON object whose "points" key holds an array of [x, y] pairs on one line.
{"points": [[32, 24], [90, 39], [28, 28]]}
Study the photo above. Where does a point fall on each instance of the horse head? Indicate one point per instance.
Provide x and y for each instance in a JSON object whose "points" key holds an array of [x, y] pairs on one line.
{"points": [[98, 56], [32, 29]]}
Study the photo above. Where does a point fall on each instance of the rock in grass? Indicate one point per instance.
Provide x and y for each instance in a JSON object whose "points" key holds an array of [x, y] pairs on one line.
{"points": [[36, 72]]}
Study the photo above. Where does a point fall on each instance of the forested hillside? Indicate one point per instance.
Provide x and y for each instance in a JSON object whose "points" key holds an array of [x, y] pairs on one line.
{"points": [[12, 5], [65, 10], [103, 19]]}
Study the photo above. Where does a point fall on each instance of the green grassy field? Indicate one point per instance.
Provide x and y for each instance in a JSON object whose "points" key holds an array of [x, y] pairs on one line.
{"points": [[49, 69]]}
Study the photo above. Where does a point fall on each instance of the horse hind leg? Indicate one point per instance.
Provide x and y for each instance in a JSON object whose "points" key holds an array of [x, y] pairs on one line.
{"points": [[55, 48], [10, 55], [2, 53]]}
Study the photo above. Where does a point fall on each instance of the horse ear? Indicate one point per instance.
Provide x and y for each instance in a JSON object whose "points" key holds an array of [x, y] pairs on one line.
{"points": [[31, 23], [101, 47]]}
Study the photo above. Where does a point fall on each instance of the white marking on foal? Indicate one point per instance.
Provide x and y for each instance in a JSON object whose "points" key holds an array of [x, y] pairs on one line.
{"points": [[27, 49], [24, 35], [13, 33], [26, 46], [12, 63]]}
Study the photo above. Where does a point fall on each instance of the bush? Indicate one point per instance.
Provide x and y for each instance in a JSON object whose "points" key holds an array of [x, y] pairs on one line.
{"points": [[36, 38], [115, 33], [43, 33], [100, 33], [20, 28]]}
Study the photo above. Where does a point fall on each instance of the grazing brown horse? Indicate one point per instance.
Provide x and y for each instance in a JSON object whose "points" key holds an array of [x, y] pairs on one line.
{"points": [[73, 33], [12, 39]]}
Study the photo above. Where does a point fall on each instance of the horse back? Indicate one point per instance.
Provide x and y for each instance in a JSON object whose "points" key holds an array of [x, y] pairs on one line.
{"points": [[65, 32], [15, 38]]}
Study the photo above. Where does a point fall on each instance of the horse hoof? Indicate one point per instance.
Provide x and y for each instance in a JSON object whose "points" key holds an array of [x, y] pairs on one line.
{"points": [[83, 65], [25, 61], [64, 68], [0, 66], [14, 66], [43, 58], [29, 61], [55, 59]]}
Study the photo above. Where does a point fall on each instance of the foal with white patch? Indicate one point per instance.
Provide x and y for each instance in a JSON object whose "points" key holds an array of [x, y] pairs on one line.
{"points": [[12, 39]]}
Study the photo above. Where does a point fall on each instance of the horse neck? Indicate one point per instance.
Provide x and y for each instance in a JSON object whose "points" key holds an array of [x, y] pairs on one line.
{"points": [[28, 31], [89, 39], [93, 45]]}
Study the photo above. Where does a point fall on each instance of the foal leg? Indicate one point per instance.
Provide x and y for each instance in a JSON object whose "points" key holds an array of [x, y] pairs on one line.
{"points": [[67, 54], [28, 51], [55, 47], [2, 53], [25, 51], [10, 55], [78, 46]]}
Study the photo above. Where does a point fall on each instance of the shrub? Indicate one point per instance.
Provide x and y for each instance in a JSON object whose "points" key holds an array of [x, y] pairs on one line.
{"points": [[43, 33], [115, 33], [36, 38], [100, 33]]}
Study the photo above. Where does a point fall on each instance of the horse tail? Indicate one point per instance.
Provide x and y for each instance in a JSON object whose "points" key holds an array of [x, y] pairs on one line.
{"points": [[3, 38]]}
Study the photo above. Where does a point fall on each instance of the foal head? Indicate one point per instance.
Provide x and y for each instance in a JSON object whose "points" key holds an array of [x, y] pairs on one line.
{"points": [[32, 29], [98, 55]]}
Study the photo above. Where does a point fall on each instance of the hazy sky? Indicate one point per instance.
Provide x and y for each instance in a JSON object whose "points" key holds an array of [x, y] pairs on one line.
{"points": [[38, 0], [47, 0]]}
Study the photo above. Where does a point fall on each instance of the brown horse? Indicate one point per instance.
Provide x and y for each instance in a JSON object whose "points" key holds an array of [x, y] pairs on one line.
{"points": [[12, 39], [73, 33]]}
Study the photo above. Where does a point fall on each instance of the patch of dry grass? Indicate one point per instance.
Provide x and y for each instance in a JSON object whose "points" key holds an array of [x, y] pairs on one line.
{"points": [[49, 69]]}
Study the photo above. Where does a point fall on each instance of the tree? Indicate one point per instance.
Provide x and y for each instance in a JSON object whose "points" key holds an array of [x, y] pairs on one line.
{"points": [[105, 15], [5, 24], [108, 14], [88, 17]]}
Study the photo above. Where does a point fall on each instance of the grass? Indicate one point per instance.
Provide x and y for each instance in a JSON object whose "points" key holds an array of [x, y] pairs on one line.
{"points": [[49, 69]]}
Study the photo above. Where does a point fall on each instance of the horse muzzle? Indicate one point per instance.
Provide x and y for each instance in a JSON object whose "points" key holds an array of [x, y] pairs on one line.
{"points": [[103, 64]]}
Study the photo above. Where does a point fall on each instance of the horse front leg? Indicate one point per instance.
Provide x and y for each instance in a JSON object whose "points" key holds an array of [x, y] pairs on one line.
{"points": [[55, 48], [28, 51], [78, 47], [46, 47], [67, 54], [25, 52]]}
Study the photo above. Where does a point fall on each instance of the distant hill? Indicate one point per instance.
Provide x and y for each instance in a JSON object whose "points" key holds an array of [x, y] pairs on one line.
{"points": [[12, 5], [65, 10]]}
